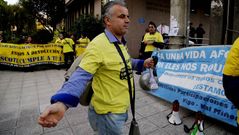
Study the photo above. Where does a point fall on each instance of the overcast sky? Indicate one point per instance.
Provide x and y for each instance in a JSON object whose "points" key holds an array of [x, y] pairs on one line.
{"points": [[11, 1]]}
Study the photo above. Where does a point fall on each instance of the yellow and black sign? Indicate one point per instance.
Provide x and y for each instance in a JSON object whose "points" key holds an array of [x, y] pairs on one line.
{"points": [[25, 55]]}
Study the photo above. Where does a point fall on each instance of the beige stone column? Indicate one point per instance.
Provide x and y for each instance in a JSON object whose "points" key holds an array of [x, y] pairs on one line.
{"points": [[216, 22], [178, 22]]}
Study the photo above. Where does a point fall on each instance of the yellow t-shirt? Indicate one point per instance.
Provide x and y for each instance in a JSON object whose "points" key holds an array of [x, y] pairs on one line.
{"points": [[58, 41], [231, 67], [156, 37], [111, 93], [68, 45], [82, 44]]}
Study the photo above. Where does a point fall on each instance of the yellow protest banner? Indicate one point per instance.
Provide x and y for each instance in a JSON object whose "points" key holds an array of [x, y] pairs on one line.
{"points": [[25, 55]]}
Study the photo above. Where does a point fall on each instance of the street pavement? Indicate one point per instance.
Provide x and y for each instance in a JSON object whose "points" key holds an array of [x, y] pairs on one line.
{"points": [[23, 95]]}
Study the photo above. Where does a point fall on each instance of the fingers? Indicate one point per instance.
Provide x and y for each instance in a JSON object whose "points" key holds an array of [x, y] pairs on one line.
{"points": [[52, 115], [48, 122], [45, 113], [149, 63], [51, 125]]}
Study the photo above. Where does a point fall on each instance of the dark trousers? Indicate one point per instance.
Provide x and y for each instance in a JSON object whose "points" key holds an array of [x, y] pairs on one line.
{"points": [[68, 59], [147, 55], [231, 88]]}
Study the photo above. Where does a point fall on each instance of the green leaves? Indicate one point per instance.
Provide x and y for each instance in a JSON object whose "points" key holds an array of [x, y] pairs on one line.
{"points": [[88, 25]]}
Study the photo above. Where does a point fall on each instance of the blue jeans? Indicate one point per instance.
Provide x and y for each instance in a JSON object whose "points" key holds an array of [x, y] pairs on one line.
{"points": [[107, 124]]}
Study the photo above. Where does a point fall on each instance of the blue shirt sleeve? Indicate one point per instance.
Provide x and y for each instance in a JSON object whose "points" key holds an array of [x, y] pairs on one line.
{"points": [[71, 90], [137, 64]]}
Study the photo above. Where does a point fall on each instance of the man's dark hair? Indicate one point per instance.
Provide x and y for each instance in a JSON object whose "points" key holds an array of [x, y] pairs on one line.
{"points": [[106, 12], [152, 23]]}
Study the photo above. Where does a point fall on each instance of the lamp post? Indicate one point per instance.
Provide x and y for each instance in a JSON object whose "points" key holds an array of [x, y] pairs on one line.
{"points": [[13, 27]]}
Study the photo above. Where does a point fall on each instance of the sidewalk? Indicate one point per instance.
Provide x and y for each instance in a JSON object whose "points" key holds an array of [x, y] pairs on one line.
{"points": [[24, 94]]}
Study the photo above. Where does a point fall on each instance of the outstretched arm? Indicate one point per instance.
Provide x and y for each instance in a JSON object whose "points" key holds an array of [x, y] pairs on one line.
{"points": [[67, 96]]}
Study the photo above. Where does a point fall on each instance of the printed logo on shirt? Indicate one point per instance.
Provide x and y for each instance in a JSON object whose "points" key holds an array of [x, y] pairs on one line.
{"points": [[123, 75]]}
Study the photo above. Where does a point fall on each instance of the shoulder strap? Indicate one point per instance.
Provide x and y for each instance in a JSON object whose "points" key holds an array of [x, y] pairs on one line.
{"points": [[68, 43], [131, 92]]}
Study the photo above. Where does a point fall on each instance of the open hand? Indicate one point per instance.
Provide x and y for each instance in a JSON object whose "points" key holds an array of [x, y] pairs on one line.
{"points": [[52, 115]]}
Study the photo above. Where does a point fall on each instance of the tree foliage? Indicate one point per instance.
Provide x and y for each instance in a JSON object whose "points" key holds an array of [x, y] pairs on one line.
{"points": [[4, 15], [15, 16], [48, 12], [88, 25], [42, 36], [23, 20]]}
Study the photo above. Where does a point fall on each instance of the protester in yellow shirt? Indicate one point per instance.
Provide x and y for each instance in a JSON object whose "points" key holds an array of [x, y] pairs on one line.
{"points": [[151, 40], [101, 63], [83, 42], [231, 76], [59, 39], [68, 49]]}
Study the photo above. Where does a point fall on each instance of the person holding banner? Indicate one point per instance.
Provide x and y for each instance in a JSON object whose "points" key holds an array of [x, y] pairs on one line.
{"points": [[29, 40], [59, 39], [102, 63], [68, 49], [231, 76], [151, 40], [83, 41]]}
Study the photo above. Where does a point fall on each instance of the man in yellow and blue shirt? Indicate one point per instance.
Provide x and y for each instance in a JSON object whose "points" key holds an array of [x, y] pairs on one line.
{"points": [[231, 76], [102, 63]]}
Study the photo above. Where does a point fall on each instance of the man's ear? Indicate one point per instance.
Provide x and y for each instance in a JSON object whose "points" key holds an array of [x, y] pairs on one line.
{"points": [[107, 20]]}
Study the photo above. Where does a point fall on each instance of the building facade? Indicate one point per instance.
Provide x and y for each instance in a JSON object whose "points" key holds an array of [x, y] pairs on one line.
{"points": [[218, 28], [75, 8]]}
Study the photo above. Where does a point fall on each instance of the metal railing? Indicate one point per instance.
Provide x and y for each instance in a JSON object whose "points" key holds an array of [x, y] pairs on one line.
{"points": [[196, 44]]}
